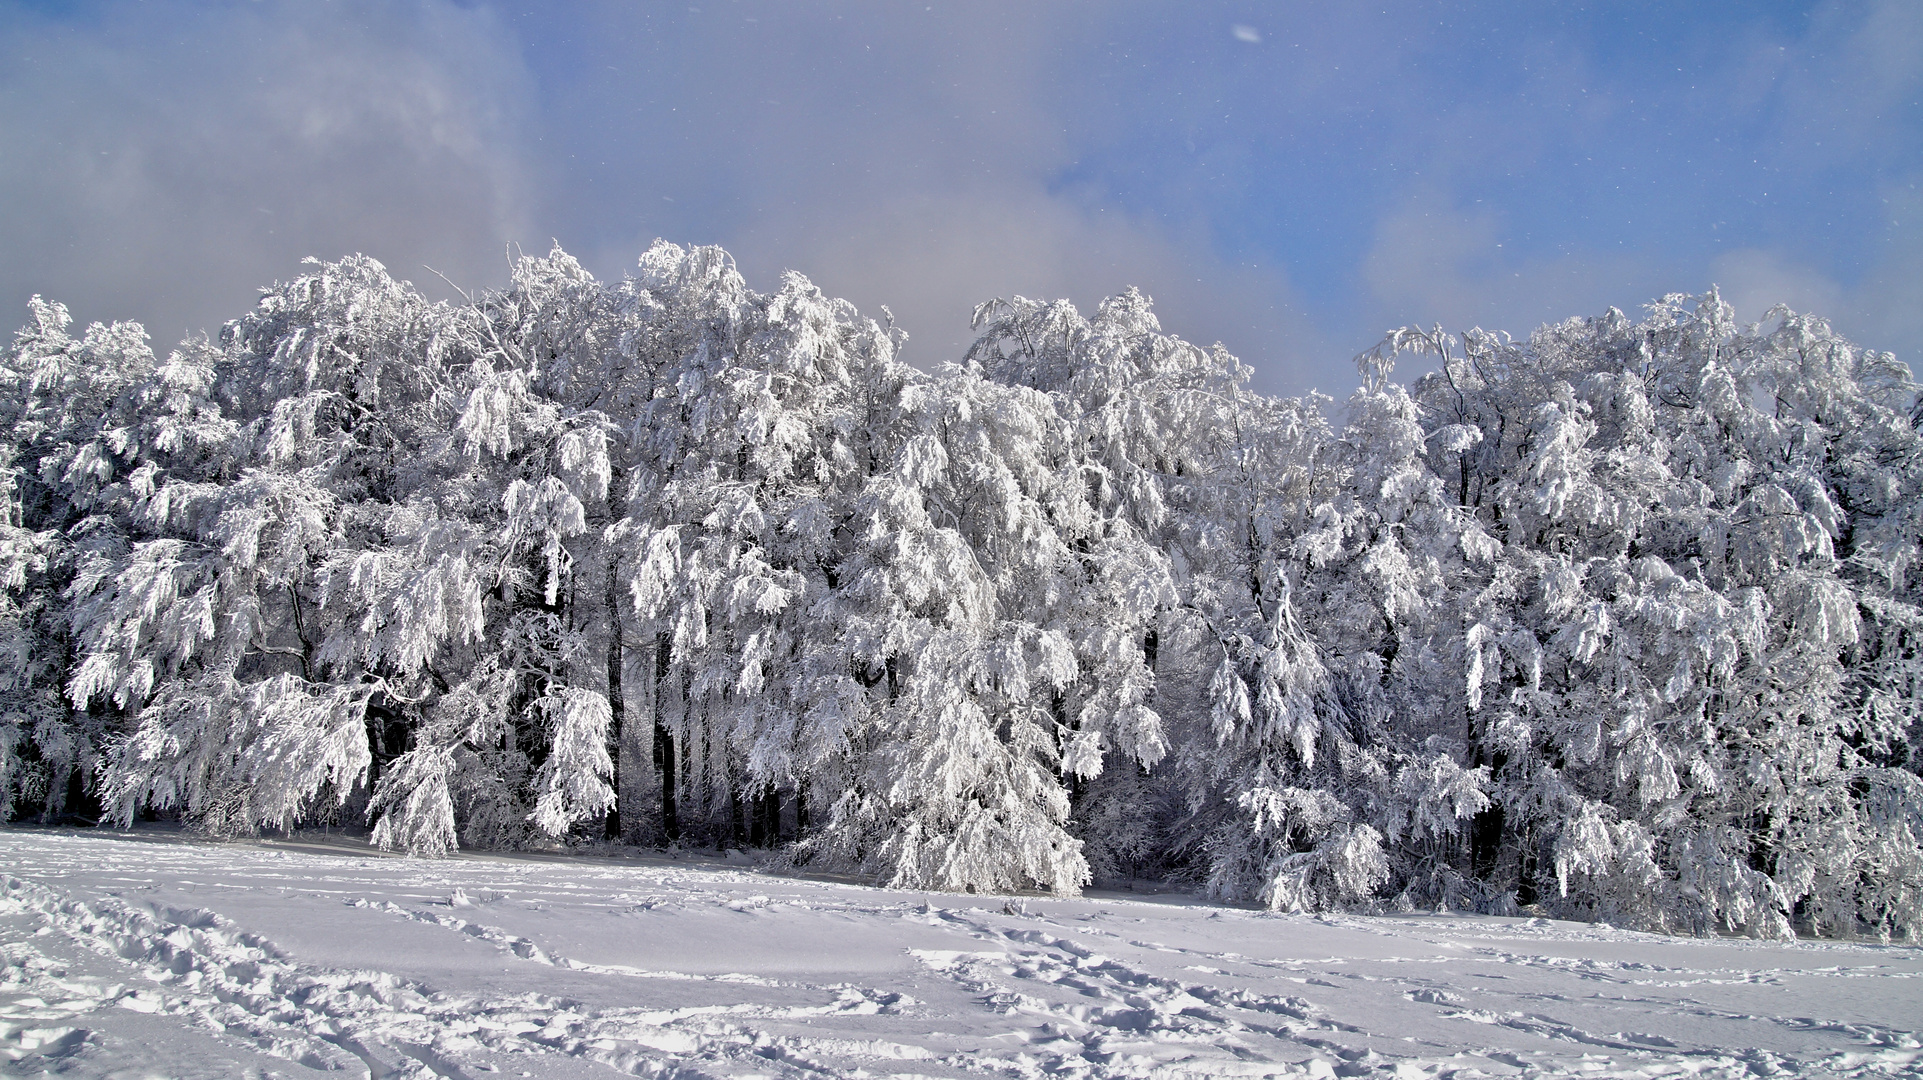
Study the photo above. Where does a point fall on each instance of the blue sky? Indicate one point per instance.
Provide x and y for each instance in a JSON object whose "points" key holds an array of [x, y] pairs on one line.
{"points": [[1291, 179]]}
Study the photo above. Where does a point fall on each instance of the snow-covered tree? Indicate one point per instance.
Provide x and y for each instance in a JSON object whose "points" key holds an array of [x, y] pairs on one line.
{"points": [[96, 424], [1670, 674], [228, 595], [1621, 620]]}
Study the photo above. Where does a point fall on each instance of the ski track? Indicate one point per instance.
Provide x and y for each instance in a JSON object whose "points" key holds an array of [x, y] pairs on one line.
{"points": [[105, 971]]}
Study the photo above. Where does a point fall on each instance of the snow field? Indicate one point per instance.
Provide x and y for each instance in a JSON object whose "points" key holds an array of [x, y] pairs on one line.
{"points": [[145, 954]]}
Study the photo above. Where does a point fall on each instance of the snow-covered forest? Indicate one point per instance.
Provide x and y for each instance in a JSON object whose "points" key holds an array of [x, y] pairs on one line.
{"points": [[1621, 620]]}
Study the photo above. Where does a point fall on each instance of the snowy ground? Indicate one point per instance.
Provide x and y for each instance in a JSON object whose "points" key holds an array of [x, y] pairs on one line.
{"points": [[145, 954]]}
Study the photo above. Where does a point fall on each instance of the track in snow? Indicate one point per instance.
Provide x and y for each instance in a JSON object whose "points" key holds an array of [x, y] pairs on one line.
{"points": [[144, 954]]}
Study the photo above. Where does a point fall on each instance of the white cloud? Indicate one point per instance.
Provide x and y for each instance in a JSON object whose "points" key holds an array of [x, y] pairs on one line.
{"points": [[914, 162], [1847, 85], [1752, 281], [931, 258], [1432, 261], [165, 162], [1886, 306]]}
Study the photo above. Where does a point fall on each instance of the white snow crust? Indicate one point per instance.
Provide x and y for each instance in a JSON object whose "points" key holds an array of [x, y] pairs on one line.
{"points": [[147, 954]]}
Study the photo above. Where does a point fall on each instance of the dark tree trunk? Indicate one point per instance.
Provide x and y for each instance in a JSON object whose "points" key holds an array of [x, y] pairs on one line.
{"points": [[617, 705], [664, 755], [1485, 843], [737, 813], [764, 827], [387, 736]]}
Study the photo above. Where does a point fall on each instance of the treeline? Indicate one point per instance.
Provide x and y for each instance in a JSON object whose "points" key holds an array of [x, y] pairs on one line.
{"points": [[1621, 621]]}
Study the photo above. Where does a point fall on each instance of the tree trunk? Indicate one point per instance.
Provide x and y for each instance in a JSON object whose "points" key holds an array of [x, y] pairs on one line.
{"points": [[737, 812], [664, 741], [617, 704], [765, 824]]}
